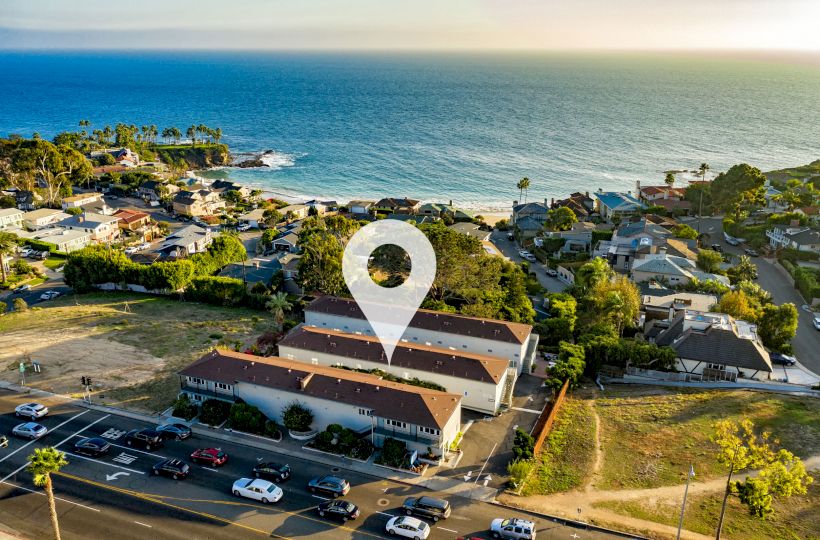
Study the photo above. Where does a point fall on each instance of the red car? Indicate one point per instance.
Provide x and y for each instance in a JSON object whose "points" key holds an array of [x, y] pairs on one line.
{"points": [[209, 456]]}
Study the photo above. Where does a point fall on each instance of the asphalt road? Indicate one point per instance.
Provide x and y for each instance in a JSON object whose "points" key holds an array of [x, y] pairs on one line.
{"points": [[32, 297], [509, 248], [115, 496], [806, 342]]}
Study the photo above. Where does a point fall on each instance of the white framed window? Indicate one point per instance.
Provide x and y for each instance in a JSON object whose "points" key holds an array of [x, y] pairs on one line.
{"points": [[222, 386], [314, 361], [196, 397], [395, 424], [196, 380], [429, 431], [365, 412]]}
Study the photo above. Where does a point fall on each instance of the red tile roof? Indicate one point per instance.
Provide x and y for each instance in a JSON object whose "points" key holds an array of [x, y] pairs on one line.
{"points": [[130, 216]]}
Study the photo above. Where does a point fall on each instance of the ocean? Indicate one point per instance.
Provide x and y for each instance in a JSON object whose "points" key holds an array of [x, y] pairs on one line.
{"points": [[461, 127]]}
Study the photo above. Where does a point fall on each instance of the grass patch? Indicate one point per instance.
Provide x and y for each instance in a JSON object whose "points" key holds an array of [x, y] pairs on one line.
{"points": [[54, 262], [566, 459], [650, 437], [796, 517]]}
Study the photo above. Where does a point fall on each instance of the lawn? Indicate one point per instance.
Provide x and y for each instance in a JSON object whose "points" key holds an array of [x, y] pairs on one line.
{"points": [[132, 345], [796, 517], [54, 262], [568, 452], [650, 436]]}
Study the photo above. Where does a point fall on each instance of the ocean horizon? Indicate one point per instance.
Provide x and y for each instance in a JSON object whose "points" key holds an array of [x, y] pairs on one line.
{"points": [[457, 126]]}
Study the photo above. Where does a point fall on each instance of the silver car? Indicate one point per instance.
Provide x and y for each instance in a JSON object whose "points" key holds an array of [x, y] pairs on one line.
{"points": [[30, 430], [32, 410], [513, 528]]}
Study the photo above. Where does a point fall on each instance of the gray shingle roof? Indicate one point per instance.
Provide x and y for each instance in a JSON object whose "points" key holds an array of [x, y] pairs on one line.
{"points": [[720, 346]]}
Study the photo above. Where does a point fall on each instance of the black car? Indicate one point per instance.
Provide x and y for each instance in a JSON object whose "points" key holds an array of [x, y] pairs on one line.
{"points": [[92, 446], [330, 485], [146, 438], [751, 252], [782, 359], [178, 432], [428, 507], [717, 247], [338, 509], [274, 472], [175, 468]]}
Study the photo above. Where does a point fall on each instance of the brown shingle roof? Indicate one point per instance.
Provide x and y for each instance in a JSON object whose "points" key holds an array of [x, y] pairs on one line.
{"points": [[436, 321], [412, 404], [476, 367]]}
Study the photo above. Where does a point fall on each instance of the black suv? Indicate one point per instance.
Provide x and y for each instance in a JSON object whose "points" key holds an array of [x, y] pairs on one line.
{"points": [[428, 507], [338, 509], [147, 438], [175, 468], [274, 472]]}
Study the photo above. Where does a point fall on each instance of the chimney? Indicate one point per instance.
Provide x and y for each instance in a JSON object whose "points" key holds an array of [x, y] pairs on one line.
{"points": [[586, 193], [545, 202], [515, 203], [637, 186], [451, 202], [552, 202]]}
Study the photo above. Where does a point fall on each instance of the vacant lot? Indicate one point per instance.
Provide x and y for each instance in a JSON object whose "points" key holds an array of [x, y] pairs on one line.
{"points": [[651, 436], [130, 345]]}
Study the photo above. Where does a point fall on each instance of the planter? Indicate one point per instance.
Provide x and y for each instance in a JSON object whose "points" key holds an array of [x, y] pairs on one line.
{"points": [[302, 435], [435, 462]]}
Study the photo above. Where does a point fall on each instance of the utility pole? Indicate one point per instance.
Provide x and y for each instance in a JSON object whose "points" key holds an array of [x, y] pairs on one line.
{"points": [[685, 492], [23, 373]]}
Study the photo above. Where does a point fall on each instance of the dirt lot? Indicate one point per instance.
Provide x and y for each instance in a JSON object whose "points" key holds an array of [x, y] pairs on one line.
{"points": [[130, 345]]}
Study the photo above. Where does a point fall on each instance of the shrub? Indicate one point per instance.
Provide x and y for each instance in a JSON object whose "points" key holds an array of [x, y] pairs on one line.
{"points": [[3, 308], [21, 267], [247, 418], [39, 245], [19, 304], [297, 417], [393, 453], [518, 470], [214, 412], [221, 291], [523, 445], [324, 441], [184, 408]]}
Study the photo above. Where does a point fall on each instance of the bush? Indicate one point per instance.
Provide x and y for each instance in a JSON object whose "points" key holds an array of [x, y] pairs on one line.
{"points": [[247, 418], [519, 471], [221, 291], [523, 445], [393, 453], [3, 308], [21, 267], [184, 408], [214, 412], [297, 417], [39, 245], [19, 304]]}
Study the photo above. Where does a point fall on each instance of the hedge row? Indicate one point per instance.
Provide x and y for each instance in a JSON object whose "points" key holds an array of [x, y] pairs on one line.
{"points": [[805, 280]]}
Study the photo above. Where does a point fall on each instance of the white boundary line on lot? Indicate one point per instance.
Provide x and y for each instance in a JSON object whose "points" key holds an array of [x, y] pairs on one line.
{"points": [[16, 486], [132, 449], [103, 462], [49, 431]]}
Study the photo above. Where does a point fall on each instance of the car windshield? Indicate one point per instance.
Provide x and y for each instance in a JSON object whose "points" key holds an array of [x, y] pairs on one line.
{"points": [[220, 454]]}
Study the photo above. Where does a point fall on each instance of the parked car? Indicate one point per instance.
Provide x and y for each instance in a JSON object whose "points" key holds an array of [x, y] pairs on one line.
{"points": [[272, 471], [552, 272], [513, 529], [243, 227], [179, 432], [717, 247], [25, 252], [428, 507], [408, 527], [144, 245], [782, 359], [29, 430], [48, 295], [530, 257], [510, 237], [147, 438], [329, 485], [92, 446], [257, 489], [22, 288], [338, 509], [174, 468], [41, 255], [214, 457], [523, 252], [131, 250], [817, 322], [751, 252], [32, 410]]}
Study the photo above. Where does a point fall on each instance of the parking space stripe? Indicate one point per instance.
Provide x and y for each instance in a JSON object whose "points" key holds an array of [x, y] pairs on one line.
{"points": [[35, 440], [448, 530], [132, 449], [143, 524], [16, 486]]}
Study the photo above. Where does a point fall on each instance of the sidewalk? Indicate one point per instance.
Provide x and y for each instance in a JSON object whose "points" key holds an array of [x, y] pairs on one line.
{"points": [[742, 385]]}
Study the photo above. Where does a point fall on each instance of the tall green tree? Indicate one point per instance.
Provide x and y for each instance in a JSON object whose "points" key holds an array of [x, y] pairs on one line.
{"points": [[278, 304], [42, 464], [739, 187], [744, 270], [560, 219], [669, 179], [590, 274], [191, 134], [523, 185], [777, 325], [56, 166], [8, 244], [709, 261]]}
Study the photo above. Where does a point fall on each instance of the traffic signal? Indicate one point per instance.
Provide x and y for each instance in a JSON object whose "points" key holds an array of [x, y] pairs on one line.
{"points": [[84, 381], [88, 381]]}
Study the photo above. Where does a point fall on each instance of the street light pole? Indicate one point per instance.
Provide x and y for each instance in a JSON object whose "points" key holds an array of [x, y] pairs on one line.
{"points": [[685, 492]]}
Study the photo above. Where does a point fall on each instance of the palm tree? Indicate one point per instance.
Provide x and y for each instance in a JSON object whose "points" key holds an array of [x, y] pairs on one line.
{"points": [[8, 242], [670, 179], [523, 185], [703, 169], [107, 134], [191, 133], [42, 463], [85, 123], [217, 134], [278, 304], [152, 133], [176, 134], [166, 134]]}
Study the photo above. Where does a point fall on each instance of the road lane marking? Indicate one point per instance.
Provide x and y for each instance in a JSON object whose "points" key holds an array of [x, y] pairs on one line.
{"points": [[103, 462], [127, 459], [385, 514], [320, 497], [485, 463], [448, 530], [143, 524], [49, 431], [12, 484]]}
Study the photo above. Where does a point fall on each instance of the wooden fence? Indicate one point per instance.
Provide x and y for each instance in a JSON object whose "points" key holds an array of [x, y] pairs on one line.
{"points": [[544, 424]]}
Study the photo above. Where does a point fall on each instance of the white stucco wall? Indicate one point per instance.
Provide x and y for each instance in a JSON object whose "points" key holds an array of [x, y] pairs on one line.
{"points": [[693, 366]]}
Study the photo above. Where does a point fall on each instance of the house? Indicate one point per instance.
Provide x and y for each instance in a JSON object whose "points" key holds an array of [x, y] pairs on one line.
{"points": [[133, 220], [797, 237], [630, 241], [715, 346], [290, 265], [365, 403], [480, 379], [514, 342], [576, 240], [43, 218], [79, 201], [412, 218], [812, 212], [668, 197], [322, 207], [773, 199], [66, 240], [392, 205], [581, 204], [224, 186], [103, 169], [362, 208], [254, 218], [436, 210], [471, 229], [289, 242], [101, 228], [11, 218], [26, 200], [123, 156], [253, 271], [670, 269], [202, 202], [535, 210], [295, 211], [154, 190], [186, 241], [661, 303], [613, 204], [528, 227]]}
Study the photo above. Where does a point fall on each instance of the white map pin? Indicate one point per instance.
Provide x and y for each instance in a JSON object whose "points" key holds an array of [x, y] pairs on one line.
{"points": [[389, 310]]}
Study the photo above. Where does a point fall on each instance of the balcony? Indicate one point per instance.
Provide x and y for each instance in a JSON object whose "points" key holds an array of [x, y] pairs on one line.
{"points": [[429, 440], [203, 390]]}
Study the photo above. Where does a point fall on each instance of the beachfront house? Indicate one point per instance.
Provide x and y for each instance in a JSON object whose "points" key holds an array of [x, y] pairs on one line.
{"points": [[295, 211], [670, 198], [395, 205], [201, 202], [360, 208], [154, 190], [514, 342], [11, 218], [535, 210], [102, 228], [224, 186], [422, 418], [615, 205], [186, 241], [471, 229], [581, 204], [797, 237]]}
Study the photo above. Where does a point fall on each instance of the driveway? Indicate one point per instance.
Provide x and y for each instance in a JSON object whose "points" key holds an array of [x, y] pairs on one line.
{"points": [[509, 248], [775, 279]]}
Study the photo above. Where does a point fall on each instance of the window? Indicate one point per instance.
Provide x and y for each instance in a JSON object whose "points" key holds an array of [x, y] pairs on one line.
{"points": [[196, 380], [489, 350], [429, 431], [464, 346], [395, 423], [365, 412], [720, 367], [290, 357], [223, 386], [197, 397], [314, 361]]}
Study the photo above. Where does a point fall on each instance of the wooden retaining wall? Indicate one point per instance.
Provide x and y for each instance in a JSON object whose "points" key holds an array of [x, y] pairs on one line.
{"points": [[544, 424]]}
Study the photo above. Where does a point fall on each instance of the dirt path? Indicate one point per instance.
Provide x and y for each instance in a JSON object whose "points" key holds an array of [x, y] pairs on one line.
{"points": [[598, 459], [567, 504]]}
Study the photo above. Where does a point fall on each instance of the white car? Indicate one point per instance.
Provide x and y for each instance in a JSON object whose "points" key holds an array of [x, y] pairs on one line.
{"points": [[30, 430], [552, 272], [257, 489], [22, 288], [32, 410], [144, 245], [244, 227], [523, 252], [817, 322], [131, 250], [530, 257], [408, 527], [48, 295], [512, 529]]}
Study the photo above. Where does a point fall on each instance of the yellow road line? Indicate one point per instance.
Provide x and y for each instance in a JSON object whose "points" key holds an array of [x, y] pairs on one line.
{"points": [[159, 500]]}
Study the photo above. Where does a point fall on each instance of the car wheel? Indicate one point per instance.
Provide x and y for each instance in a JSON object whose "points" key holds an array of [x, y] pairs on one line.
{"points": [[322, 513], [256, 474], [148, 447], [409, 512], [391, 532], [175, 477], [334, 495], [156, 472], [265, 500], [496, 535], [129, 443], [235, 492], [416, 538], [312, 490], [436, 518], [344, 519], [17, 414]]}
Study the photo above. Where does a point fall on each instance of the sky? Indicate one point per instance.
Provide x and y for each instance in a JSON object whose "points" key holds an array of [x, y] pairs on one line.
{"points": [[789, 25]]}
